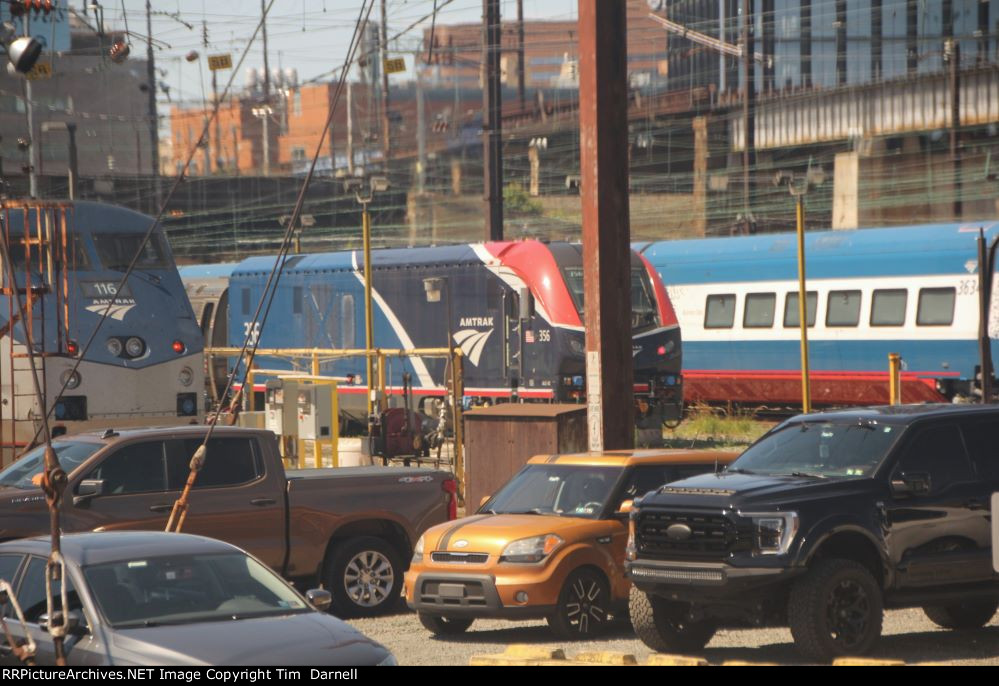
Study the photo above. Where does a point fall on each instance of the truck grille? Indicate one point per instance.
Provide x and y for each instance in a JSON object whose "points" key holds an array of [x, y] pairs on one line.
{"points": [[710, 537], [460, 558]]}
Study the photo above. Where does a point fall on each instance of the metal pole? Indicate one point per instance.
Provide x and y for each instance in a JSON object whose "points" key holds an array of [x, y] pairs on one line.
{"points": [[806, 392], [748, 103], [520, 55], [267, 140], [953, 50], [29, 109], [218, 122], [369, 337], [603, 123], [421, 137], [985, 270], [386, 128], [492, 94], [74, 170], [154, 120], [894, 379]]}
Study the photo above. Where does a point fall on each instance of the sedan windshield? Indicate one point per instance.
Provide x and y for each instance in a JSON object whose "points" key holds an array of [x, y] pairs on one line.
{"points": [[572, 491], [183, 589], [820, 449], [27, 472]]}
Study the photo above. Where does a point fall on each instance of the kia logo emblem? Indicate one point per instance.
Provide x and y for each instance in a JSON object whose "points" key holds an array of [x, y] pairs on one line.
{"points": [[461, 544], [679, 532]]}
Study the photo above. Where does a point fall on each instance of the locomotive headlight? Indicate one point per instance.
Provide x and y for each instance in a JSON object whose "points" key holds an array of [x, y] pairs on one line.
{"points": [[114, 346], [576, 346], [70, 379], [186, 376], [135, 346]]}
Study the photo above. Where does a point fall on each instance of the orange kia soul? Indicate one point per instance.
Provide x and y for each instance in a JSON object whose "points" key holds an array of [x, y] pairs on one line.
{"points": [[550, 543]]}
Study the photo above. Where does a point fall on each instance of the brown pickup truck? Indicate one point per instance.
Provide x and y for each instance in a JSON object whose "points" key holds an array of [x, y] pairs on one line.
{"points": [[353, 529]]}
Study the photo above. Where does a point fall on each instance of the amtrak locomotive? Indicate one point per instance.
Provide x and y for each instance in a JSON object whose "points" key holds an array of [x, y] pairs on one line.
{"points": [[145, 365], [320, 303], [870, 292]]}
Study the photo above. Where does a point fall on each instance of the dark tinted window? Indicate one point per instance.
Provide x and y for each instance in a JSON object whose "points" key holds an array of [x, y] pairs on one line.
{"points": [[347, 318], [136, 468], [245, 296], [939, 452], [296, 300], [791, 319], [719, 312], [116, 251], [650, 477], [888, 307], [936, 307], [228, 462], [844, 308], [759, 312], [31, 592], [8, 568], [982, 439]]}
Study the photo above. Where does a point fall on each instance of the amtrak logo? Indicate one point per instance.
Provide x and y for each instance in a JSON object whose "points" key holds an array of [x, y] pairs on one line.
{"points": [[635, 349], [472, 343], [117, 312]]}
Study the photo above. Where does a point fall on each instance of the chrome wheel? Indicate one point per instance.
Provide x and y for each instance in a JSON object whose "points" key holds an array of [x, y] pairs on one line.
{"points": [[368, 578]]}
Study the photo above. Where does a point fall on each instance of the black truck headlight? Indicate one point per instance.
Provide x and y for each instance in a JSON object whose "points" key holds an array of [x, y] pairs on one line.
{"points": [[773, 532]]}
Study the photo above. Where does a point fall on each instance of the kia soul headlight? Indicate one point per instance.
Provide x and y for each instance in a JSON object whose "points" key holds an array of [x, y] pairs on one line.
{"points": [[773, 532], [531, 550]]}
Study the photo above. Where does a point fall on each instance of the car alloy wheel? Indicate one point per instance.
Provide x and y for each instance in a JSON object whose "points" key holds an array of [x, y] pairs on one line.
{"points": [[368, 578], [583, 606]]}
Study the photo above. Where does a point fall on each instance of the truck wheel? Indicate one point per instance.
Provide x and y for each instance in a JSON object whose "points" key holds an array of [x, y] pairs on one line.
{"points": [[663, 625], [835, 609], [444, 626], [583, 604], [970, 615], [364, 576]]}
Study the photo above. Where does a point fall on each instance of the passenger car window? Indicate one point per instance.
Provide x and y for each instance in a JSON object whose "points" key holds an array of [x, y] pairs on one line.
{"points": [[843, 308], [936, 307], [229, 462], [888, 307], [982, 439], [760, 309], [719, 312], [135, 468], [939, 452], [791, 319], [31, 592], [8, 568]]}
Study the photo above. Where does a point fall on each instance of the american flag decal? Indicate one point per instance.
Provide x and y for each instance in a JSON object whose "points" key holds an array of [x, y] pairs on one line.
{"points": [[529, 336]]}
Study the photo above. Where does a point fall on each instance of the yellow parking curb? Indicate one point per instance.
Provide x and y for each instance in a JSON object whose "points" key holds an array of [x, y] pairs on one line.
{"points": [[744, 663], [605, 658], [676, 661], [866, 662]]}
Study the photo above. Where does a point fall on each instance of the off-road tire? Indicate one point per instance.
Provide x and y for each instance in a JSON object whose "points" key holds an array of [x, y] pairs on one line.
{"points": [[440, 625], [376, 590], [835, 609], [661, 624], [583, 607], [970, 615]]}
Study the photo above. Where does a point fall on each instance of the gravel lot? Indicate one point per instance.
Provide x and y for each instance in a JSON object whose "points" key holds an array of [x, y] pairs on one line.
{"points": [[908, 635]]}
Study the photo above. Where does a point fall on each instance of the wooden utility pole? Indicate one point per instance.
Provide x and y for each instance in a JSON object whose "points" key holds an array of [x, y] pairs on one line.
{"points": [[492, 143], [603, 126], [520, 55], [748, 107], [154, 135]]}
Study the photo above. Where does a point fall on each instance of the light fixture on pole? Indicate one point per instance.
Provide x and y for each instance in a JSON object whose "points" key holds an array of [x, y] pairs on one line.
{"points": [[368, 186]]}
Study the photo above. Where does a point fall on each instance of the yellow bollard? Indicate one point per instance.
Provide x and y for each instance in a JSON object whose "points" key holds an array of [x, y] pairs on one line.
{"points": [[894, 379]]}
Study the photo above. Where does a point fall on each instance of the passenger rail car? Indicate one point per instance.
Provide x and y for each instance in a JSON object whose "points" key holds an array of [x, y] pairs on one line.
{"points": [[907, 290], [145, 365], [320, 303]]}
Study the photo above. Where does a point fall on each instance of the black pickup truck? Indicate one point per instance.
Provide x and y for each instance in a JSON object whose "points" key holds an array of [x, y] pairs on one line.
{"points": [[820, 525]]}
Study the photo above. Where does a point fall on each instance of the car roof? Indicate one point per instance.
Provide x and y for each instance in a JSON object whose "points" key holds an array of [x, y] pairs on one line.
{"points": [[900, 414], [113, 435], [628, 458], [113, 546]]}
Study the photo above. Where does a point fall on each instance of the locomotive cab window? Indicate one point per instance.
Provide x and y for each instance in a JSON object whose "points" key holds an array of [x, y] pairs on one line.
{"points": [[791, 317], [888, 307], [760, 309], [116, 250], [719, 312], [936, 307], [843, 308]]}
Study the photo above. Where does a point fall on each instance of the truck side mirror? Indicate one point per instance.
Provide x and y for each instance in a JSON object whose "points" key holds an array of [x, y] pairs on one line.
{"points": [[914, 483], [485, 499], [88, 488], [74, 622], [626, 507]]}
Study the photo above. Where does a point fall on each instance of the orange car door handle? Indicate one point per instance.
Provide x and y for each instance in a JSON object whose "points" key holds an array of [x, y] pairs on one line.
{"points": [[160, 508]]}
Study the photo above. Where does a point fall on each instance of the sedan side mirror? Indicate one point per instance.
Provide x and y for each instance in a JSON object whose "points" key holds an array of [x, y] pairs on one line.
{"points": [[319, 599], [914, 483], [88, 488]]}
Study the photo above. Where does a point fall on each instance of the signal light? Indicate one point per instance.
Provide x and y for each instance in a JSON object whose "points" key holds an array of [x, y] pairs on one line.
{"points": [[119, 51], [662, 350], [72, 348], [179, 347]]}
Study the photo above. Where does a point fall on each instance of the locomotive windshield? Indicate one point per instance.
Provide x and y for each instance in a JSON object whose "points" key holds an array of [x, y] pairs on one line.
{"points": [[643, 307], [116, 251]]}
